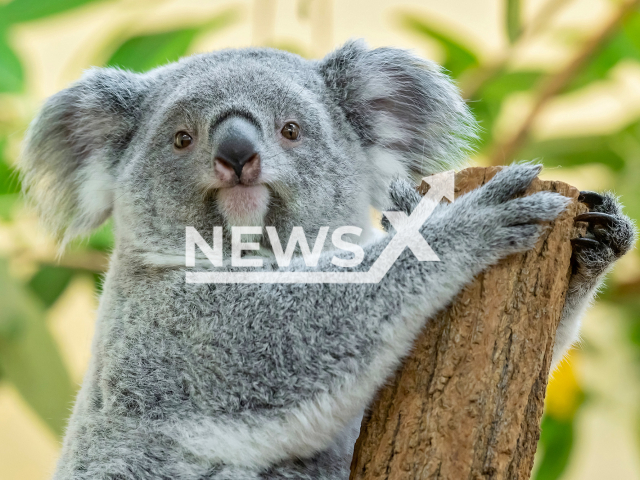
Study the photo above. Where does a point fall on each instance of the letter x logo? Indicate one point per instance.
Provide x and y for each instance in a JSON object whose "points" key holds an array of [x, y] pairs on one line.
{"points": [[408, 227]]}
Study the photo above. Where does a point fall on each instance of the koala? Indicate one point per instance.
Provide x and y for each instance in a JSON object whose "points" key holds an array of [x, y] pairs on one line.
{"points": [[268, 381]]}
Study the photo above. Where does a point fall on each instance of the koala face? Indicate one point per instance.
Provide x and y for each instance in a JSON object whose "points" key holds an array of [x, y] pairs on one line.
{"points": [[262, 148], [240, 137]]}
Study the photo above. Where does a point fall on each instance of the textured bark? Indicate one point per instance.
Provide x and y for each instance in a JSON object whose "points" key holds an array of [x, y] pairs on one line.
{"points": [[466, 404]]}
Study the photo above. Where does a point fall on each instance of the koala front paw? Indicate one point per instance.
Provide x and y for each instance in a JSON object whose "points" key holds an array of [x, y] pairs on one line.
{"points": [[610, 234], [404, 198], [500, 222]]}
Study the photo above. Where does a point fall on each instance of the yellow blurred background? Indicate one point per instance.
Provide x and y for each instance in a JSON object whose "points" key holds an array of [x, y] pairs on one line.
{"points": [[557, 80]]}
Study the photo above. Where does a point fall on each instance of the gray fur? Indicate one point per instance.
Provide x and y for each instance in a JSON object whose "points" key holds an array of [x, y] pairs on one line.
{"points": [[590, 266], [257, 381], [77, 139]]}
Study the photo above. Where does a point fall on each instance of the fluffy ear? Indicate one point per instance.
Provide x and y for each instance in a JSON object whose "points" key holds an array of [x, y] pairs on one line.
{"points": [[73, 147], [404, 108]]}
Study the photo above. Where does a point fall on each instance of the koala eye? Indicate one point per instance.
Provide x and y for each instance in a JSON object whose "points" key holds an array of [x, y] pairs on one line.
{"points": [[182, 140], [291, 131]]}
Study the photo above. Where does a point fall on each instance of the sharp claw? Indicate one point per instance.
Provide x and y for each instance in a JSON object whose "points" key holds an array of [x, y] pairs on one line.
{"points": [[596, 218], [585, 242], [590, 199]]}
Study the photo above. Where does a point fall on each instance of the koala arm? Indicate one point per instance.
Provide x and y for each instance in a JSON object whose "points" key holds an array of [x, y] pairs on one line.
{"points": [[610, 235], [580, 296], [332, 345]]}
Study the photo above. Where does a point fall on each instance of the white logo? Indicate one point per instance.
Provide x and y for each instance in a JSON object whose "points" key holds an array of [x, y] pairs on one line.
{"points": [[407, 236]]}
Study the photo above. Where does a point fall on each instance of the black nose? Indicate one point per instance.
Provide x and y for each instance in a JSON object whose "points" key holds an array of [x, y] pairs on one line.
{"points": [[237, 140]]}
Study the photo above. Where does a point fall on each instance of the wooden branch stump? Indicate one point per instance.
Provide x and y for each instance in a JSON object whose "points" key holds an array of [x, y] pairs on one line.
{"points": [[466, 404]]}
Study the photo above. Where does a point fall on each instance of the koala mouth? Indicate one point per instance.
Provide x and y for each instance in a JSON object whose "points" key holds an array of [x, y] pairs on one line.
{"points": [[244, 205]]}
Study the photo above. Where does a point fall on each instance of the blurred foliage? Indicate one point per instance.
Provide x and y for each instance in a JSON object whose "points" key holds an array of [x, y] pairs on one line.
{"points": [[513, 20], [49, 283], [29, 358], [556, 441], [18, 11], [458, 57], [564, 398], [144, 52], [625, 44], [9, 185], [11, 75]]}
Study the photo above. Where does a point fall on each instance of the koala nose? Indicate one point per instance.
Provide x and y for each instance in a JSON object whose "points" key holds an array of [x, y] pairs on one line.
{"points": [[237, 144]]}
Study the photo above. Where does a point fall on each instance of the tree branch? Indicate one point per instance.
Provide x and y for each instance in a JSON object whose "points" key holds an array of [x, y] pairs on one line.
{"points": [[467, 401]]}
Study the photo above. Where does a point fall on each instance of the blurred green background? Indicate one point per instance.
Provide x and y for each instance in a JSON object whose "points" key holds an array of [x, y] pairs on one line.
{"points": [[556, 80]]}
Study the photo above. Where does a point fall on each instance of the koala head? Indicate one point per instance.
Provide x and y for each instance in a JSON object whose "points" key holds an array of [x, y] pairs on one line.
{"points": [[240, 137]]}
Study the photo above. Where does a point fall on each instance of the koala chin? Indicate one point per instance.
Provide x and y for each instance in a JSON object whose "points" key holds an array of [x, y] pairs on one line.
{"points": [[257, 381], [244, 205]]}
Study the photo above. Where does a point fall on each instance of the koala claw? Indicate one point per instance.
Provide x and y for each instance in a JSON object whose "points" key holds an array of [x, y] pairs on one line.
{"points": [[610, 234], [591, 199], [584, 242], [597, 218]]}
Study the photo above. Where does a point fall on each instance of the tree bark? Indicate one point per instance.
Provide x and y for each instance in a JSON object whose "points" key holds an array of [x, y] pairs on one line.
{"points": [[467, 402]]}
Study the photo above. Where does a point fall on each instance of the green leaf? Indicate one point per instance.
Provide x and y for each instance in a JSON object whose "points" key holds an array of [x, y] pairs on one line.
{"points": [[145, 52], [9, 180], [556, 442], [630, 307], [9, 186], [503, 85], [624, 45], [617, 151], [8, 206], [26, 10], [616, 50], [29, 357], [513, 20], [570, 152], [49, 283], [103, 239], [495, 91], [11, 73], [631, 29], [487, 102], [458, 56]]}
